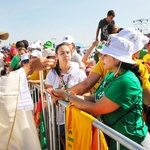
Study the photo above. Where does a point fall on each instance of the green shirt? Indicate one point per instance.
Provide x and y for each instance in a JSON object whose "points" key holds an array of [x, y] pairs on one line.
{"points": [[126, 91], [15, 62]]}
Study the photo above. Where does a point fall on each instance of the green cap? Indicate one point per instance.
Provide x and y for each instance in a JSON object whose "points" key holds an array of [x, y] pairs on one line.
{"points": [[142, 53], [48, 44], [99, 48]]}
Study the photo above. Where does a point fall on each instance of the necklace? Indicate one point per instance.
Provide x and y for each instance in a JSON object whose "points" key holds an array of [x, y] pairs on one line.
{"points": [[62, 83]]}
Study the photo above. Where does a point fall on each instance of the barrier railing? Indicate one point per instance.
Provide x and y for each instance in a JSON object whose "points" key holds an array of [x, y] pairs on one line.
{"points": [[50, 124]]}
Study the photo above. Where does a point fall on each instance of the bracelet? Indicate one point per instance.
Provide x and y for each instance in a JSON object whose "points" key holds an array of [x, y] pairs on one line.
{"points": [[68, 96]]}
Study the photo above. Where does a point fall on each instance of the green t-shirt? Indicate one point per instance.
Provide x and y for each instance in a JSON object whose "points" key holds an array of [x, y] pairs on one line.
{"points": [[15, 62], [126, 91]]}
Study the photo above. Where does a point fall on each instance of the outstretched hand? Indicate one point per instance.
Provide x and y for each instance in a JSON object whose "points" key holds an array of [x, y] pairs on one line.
{"points": [[42, 64], [56, 94]]}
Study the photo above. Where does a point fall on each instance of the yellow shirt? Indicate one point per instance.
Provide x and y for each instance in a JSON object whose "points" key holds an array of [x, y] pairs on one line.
{"points": [[80, 134], [146, 58], [36, 75], [98, 68], [144, 75]]}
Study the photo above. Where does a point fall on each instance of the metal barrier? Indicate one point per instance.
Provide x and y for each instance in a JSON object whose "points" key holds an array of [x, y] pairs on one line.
{"points": [[50, 124]]}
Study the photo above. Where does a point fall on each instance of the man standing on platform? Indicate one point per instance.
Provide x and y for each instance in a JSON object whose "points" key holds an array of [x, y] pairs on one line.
{"points": [[103, 26]]}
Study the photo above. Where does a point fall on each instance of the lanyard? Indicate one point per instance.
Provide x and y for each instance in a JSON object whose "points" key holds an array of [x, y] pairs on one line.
{"points": [[64, 84]]}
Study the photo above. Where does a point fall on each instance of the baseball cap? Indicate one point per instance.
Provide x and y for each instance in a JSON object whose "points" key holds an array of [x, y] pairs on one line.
{"points": [[119, 48], [142, 53], [68, 39], [35, 45], [36, 53], [24, 57], [39, 42], [4, 35], [48, 52], [136, 37], [99, 48], [48, 44]]}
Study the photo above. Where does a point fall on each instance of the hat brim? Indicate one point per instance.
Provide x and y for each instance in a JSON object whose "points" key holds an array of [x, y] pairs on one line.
{"points": [[4, 35], [111, 52]]}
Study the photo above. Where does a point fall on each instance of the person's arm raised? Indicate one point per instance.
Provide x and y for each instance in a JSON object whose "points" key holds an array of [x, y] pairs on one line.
{"points": [[87, 54]]}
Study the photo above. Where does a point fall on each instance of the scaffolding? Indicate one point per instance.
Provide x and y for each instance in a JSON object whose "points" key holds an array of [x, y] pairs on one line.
{"points": [[141, 25]]}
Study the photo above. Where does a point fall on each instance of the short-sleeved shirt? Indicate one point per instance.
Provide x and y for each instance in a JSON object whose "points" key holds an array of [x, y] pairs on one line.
{"points": [[15, 62], [103, 25], [35, 75], [98, 68], [77, 58], [73, 77], [126, 91], [144, 75]]}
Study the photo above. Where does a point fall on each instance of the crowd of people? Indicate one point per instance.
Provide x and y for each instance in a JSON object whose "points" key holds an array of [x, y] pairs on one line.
{"points": [[114, 85]]}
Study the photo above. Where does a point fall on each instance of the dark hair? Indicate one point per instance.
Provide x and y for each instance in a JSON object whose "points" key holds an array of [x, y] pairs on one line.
{"points": [[26, 43], [24, 62], [132, 67], [19, 44], [110, 28], [57, 68], [111, 13]]}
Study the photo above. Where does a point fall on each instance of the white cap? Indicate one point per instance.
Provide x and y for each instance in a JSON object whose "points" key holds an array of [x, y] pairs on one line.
{"points": [[35, 45], [68, 39], [39, 42], [136, 37], [119, 48], [24, 57], [36, 53], [48, 52]]}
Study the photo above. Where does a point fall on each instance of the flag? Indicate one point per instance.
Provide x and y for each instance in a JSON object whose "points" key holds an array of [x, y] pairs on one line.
{"points": [[39, 121], [37, 113], [42, 132]]}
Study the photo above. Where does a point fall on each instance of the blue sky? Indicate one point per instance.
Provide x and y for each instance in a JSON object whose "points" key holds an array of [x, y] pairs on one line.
{"points": [[47, 19]]}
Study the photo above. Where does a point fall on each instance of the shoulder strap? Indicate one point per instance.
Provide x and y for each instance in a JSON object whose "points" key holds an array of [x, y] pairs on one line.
{"points": [[122, 116], [131, 109]]}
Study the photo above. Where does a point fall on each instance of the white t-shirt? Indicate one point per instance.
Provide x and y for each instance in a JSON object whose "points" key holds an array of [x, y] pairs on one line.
{"points": [[25, 101], [77, 58], [74, 76], [75, 64]]}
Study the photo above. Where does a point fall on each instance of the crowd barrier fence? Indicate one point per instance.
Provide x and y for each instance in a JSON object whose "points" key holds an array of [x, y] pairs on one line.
{"points": [[52, 130]]}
